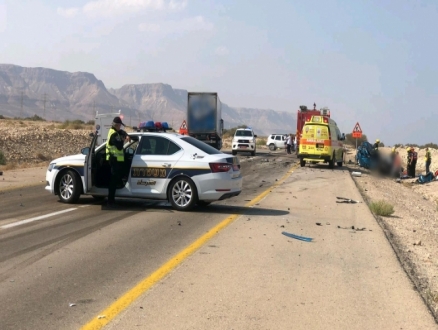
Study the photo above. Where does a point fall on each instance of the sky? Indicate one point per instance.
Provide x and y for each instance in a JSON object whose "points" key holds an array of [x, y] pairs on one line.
{"points": [[372, 62]]}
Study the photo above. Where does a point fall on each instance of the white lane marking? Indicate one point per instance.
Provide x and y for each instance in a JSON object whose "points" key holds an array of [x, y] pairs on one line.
{"points": [[41, 217]]}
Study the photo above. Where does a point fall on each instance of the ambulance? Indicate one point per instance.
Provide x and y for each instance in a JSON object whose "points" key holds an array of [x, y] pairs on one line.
{"points": [[321, 142]]}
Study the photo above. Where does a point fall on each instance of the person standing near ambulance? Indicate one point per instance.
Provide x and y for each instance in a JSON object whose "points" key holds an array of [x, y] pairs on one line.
{"points": [[116, 157], [427, 160]]}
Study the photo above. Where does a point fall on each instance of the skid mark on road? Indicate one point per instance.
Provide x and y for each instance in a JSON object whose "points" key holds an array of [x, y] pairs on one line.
{"points": [[129, 297]]}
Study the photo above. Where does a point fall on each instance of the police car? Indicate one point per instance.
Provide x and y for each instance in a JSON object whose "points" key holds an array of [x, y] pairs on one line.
{"points": [[161, 166]]}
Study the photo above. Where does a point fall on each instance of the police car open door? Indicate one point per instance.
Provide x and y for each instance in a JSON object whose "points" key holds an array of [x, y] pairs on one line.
{"points": [[88, 165]]}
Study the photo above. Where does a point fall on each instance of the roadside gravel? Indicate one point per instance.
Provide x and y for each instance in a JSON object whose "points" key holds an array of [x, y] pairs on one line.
{"points": [[412, 230]]}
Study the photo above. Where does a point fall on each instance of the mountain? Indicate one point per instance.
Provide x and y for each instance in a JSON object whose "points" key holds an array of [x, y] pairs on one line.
{"points": [[65, 95]]}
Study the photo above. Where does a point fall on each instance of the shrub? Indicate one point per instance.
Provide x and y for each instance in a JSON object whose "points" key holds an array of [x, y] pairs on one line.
{"points": [[90, 122], [261, 141], [72, 124], [2, 117], [35, 118], [40, 156], [2, 158], [382, 208]]}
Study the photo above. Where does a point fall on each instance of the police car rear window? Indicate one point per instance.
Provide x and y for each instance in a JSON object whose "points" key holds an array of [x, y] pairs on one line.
{"points": [[201, 145]]}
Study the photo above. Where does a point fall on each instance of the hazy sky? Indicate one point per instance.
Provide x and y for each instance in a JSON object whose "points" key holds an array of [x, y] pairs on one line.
{"points": [[370, 61]]}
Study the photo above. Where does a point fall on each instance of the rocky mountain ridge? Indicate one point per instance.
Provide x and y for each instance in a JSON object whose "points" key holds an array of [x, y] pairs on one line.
{"points": [[60, 95]]}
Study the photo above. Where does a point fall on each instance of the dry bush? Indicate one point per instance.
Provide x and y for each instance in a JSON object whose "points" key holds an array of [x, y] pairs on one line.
{"points": [[2, 158], [382, 208]]}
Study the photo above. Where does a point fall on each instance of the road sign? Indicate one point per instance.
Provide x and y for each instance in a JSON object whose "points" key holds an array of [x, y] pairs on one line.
{"points": [[183, 128], [357, 131]]}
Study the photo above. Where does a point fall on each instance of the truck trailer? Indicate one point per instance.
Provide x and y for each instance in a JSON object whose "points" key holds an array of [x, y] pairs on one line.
{"points": [[204, 118]]}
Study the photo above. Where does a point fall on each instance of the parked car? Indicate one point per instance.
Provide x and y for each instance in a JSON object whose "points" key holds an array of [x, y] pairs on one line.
{"points": [[276, 141], [244, 140], [162, 166]]}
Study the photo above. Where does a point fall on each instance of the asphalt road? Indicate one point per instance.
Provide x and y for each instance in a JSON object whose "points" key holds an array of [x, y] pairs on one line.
{"points": [[88, 257]]}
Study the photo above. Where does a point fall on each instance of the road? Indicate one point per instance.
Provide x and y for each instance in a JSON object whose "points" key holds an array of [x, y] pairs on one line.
{"points": [[89, 257], [248, 276]]}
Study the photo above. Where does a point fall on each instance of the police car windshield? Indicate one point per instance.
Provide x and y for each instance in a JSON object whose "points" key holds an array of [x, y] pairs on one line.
{"points": [[201, 145], [243, 133]]}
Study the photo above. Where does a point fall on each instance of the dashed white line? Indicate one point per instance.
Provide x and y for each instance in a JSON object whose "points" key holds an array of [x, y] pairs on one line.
{"points": [[41, 217]]}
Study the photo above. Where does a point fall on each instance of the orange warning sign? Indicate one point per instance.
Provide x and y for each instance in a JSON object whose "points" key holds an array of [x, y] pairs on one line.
{"points": [[357, 131], [183, 128]]}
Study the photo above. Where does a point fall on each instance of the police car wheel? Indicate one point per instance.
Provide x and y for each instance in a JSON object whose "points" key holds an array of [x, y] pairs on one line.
{"points": [[182, 194], [69, 187]]}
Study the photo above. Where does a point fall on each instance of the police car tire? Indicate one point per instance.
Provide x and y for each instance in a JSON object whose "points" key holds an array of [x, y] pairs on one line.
{"points": [[76, 183], [179, 183]]}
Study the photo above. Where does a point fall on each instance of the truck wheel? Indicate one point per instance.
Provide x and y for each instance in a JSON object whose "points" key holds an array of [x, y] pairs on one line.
{"points": [[302, 162], [332, 161], [69, 186], [341, 162], [253, 153], [234, 152], [272, 147]]}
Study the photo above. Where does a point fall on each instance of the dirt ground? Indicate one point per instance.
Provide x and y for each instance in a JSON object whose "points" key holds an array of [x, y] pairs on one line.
{"points": [[412, 230]]}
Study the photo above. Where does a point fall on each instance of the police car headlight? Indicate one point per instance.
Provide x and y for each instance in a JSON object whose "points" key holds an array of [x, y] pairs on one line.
{"points": [[51, 166]]}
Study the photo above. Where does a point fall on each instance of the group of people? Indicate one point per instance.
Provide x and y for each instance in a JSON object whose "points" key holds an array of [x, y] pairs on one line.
{"points": [[411, 161], [291, 143]]}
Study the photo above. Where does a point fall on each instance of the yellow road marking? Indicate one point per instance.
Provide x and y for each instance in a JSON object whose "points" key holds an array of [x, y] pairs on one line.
{"points": [[104, 317]]}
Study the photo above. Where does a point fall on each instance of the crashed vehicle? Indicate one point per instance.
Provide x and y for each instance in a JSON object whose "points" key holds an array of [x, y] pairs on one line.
{"points": [[368, 158]]}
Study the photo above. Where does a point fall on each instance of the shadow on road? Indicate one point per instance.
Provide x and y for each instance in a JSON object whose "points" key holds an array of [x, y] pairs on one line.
{"points": [[163, 206]]}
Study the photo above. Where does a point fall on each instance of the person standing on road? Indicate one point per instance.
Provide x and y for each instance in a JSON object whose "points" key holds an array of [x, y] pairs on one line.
{"points": [[428, 160], [289, 144], [295, 142], [116, 157], [396, 167], [408, 161]]}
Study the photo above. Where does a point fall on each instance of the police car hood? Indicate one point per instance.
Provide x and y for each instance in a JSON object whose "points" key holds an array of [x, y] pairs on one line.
{"points": [[79, 158]]}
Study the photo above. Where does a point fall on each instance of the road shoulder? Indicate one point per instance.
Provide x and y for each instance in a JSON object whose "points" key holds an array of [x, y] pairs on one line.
{"points": [[250, 276], [13, 179]]}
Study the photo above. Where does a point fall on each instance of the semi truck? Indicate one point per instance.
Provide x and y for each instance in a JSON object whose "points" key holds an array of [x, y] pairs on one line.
{"points": [[204, 118], [303, 115]]}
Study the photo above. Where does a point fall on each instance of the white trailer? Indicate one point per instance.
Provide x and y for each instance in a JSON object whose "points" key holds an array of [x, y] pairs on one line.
{"points": [[103, 124]]}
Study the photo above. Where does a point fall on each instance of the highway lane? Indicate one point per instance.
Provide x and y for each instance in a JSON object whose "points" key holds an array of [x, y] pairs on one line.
{"points": [[89, 257]]}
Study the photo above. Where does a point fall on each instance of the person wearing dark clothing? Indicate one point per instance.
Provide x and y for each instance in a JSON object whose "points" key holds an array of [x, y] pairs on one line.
{"points": [[115, 157], [428, 160], [376, 149], [413, 162]]}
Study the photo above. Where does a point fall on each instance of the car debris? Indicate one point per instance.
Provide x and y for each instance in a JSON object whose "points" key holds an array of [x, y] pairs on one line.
{"points": [[346, 200], [318, 224], [71, 305], [356, 173], [1, 172], [101, 317], [301, 238]]}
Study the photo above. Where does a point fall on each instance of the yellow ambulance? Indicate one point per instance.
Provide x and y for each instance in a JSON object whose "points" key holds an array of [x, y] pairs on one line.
{"points": [[321, 142]]}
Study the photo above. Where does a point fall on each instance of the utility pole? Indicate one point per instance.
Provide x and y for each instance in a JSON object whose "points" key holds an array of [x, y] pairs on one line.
{"points": [[44, 100], [94, 110], [21, 110]]}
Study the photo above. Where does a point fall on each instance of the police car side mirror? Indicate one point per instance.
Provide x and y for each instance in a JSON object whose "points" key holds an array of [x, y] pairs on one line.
{"points": [[85, 151]]}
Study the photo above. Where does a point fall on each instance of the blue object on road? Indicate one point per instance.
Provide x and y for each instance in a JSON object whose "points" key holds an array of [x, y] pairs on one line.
{"points": [[301, 238]]}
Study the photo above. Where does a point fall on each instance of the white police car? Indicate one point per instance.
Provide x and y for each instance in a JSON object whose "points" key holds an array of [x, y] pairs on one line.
{"points": [[162, 166], [244, 140]]}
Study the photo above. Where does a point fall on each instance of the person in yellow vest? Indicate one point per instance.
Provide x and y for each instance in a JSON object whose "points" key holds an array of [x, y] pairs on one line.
{"points": [[428, 160], [115, 156]]}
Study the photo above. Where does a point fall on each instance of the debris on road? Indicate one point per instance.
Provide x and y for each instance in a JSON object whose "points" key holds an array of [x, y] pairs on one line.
{"points": [[327, 223], [417, 243], [346, 200], [1, 173], [301, 238], [71, 305], [179, 223], [101, 317], [318, 224], [356, 173]]}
